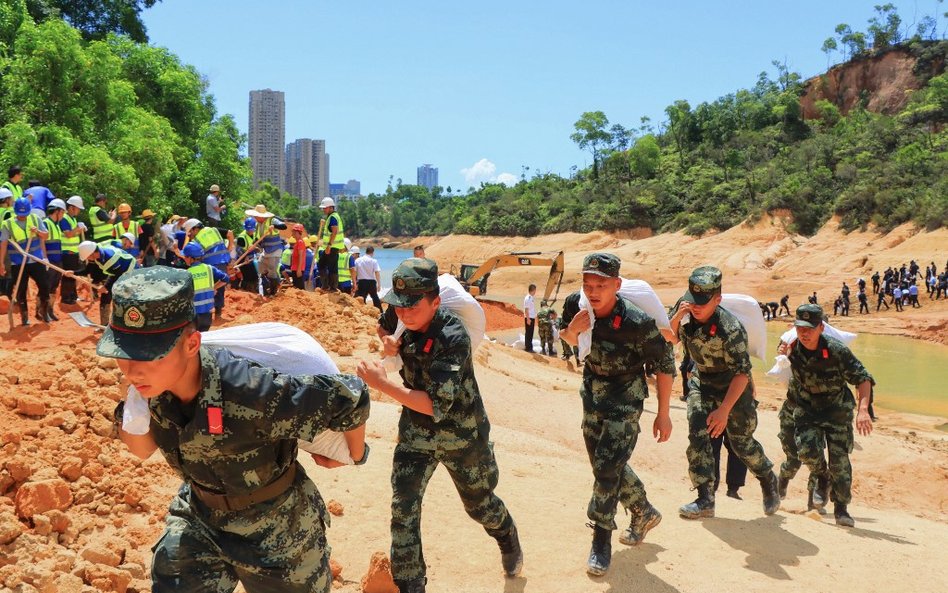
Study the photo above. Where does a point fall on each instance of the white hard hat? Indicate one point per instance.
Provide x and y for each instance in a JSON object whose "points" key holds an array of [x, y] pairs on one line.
{"points": [[57, 204], [86, 248], [347, 242], [5, 193], [191, 223], [76, 201], [354, 249], [129, 236], [327, 202]]}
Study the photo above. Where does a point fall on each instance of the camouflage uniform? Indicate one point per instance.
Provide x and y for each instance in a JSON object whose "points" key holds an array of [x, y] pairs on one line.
{"points": [[719, 349], [545, 326], [824, 412], [236, 438], [439, 362], [787, 436], [613, 392]]}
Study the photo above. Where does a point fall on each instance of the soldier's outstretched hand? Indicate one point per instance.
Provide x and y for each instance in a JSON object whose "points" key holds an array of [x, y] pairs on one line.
{"points": [[863, 423]]}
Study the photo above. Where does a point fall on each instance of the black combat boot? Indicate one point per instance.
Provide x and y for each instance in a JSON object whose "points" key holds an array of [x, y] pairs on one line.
{"points": [[600, 556], [645, 517], [703, 506], [842, 516], [24, 315], [511, 555], [782, 485], [768, 486], [412, 586], [48, 312], [821, 493]]}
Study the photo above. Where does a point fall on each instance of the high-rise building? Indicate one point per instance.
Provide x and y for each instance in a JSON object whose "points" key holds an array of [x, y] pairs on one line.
{"points": [[267, 137], [353, 187], [307, 170], [428, 176], [349, 189]]}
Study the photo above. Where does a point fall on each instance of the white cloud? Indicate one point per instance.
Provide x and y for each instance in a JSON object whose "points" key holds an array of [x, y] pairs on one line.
{"points": [[483, 171], [508, 179]]}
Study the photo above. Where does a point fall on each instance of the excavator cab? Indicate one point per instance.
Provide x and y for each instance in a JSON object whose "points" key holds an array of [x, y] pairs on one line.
{"points": [[467, 270]]}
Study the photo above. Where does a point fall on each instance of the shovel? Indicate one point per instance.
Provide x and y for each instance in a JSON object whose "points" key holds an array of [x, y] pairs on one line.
{"points": [[83, 321], [55, 267], [19, 278]]}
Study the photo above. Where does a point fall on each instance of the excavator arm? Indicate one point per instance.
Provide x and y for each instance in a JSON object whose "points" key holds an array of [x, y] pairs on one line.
{"points": [[474, 278]]}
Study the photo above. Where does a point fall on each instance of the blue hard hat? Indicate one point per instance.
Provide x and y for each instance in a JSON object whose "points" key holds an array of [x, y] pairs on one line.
{"points": [[193, 250], [22, 206], [250, 224]]}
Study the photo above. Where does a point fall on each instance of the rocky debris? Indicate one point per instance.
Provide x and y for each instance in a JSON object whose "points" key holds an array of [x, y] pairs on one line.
{"points": [[378, 579], [335, 508], [34, 498], [336, 569], [10, 527], [30, 406]]}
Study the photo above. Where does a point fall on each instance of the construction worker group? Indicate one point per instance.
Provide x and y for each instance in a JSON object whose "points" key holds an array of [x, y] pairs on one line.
{"points": [[44, 242]]}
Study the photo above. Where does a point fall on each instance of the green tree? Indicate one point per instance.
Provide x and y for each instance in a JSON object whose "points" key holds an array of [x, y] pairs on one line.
{"points": [[96, 18], [591, 134]]}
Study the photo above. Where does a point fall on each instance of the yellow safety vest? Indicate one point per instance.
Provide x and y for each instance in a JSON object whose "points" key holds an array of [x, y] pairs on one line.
{"points": [[344, 273], [203, 287], [101, 230], [20, 236], [340, 242], [71, 244]]}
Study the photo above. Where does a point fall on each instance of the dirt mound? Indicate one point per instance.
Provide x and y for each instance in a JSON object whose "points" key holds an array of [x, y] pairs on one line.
{"points": [[74, 504], [501, 316]]}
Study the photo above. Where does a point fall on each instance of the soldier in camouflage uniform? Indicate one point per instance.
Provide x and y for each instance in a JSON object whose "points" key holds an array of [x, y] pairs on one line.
{"points": [[247, 511], [546, 316], [818, 484], [443, 421], [721, 394], [624, 340], [821, 369]]}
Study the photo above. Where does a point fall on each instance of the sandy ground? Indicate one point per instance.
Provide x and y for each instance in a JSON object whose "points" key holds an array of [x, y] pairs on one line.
{"points": [[58, 395]]}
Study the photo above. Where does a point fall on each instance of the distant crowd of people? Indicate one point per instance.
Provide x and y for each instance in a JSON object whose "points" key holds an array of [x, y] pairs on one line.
{"points": [[898, 287]]}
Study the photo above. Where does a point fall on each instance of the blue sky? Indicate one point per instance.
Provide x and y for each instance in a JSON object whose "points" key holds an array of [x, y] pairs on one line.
{"points": [[481, 89]]}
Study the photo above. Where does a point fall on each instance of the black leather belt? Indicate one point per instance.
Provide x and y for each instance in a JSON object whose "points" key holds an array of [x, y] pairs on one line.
{"points": [[235, 502], [597, 370]]}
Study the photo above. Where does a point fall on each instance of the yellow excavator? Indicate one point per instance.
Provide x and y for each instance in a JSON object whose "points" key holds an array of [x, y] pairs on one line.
{"points": [[474, 278]]}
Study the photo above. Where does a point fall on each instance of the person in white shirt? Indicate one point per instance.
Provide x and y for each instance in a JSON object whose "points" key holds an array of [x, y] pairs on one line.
{"points": [[368, 276], [529, 317]]}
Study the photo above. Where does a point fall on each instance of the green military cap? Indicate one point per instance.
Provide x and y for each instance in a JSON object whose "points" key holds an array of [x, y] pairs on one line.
{"points": [[411, 280], [703, 284], [808, 315], [602, 264], [151, 307]]}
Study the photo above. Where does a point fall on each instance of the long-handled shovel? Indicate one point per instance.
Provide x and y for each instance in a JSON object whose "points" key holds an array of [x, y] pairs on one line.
{"points": [[51, 266], [19, 278], [83, 320]]}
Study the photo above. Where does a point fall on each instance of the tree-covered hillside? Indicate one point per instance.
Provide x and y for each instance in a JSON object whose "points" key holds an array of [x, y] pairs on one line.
{"points": [[712, 165]]}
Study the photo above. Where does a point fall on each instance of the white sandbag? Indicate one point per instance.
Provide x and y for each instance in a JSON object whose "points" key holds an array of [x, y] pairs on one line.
{"points": [[828, 330], [136, 418], [459, 301], [642, 296], [781, 369], [521, 341], [290, 350], [748, 312]]}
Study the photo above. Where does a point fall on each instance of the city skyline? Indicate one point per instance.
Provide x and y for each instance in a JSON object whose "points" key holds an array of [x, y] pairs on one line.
{"points": [[427, 176], [266, 136]]}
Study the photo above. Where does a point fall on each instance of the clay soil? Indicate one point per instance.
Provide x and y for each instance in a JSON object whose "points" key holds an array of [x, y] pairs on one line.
{"points": [[78, 513]]}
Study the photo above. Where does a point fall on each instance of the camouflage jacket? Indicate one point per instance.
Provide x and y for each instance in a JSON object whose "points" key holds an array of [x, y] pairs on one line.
{"points": [[262, 413], [718, 348], [439, 363], [623, 342], [819, 377], [543, 316]]}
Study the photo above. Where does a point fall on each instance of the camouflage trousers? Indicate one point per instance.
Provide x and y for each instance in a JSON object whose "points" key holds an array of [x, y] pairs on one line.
{"points": [[787, 436], [741, 424], [833, 430], [609, 444], [474, 473], [273, 547], [546, 337], [569, 350]]}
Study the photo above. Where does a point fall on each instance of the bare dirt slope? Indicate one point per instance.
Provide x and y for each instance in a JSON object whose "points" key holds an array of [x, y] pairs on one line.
{"points": [[763, 259]]}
